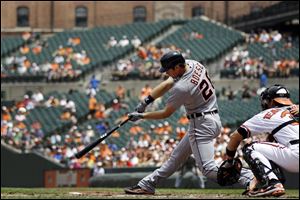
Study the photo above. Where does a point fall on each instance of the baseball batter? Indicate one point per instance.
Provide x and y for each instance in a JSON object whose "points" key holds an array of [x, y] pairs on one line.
{"points": [[189, 85], [278, 121]]}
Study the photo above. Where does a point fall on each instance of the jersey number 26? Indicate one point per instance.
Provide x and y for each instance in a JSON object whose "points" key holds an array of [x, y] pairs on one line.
{"points": [[206, 87]]}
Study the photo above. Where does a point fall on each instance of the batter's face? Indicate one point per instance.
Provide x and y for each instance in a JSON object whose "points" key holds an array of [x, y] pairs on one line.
{"points": [[171, 72], [174, 72]]}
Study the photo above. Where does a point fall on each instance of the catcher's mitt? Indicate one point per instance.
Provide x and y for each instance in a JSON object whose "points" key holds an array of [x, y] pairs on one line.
{"points": [[229, 172]]}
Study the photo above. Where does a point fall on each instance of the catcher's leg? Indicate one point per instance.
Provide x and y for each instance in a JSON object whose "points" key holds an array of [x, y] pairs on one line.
{"points": [[256, 163]]}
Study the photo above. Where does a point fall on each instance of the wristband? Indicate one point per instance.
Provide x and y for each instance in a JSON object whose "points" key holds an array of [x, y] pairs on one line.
{"points": [[230, 153], [149, 99]]}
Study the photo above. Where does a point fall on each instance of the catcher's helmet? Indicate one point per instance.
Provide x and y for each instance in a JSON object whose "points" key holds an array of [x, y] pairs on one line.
{"points": [[277, 93], [171, 59]]}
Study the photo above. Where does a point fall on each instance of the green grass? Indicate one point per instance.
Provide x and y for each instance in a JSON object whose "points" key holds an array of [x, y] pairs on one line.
{"points": [[117, 193]]}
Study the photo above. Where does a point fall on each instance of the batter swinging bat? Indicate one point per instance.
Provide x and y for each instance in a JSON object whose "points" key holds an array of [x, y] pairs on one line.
{"points": [[100, 139]]}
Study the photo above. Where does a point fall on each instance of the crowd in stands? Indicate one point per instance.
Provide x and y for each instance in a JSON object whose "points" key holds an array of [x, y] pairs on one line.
{"points": [[144, 64], [245, 66], [68, 61], [245, 92], [146, 147], [112, 42], [13, 126], [65, 62]]}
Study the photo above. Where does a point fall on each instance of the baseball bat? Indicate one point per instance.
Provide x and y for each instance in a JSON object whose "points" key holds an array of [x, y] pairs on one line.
{"points": [[100, 139]]}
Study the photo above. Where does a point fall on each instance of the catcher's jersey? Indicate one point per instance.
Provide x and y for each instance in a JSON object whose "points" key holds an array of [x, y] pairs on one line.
{"points": [[194, 90], [267, 120]]}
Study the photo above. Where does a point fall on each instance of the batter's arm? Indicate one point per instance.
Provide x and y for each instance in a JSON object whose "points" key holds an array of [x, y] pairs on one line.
{"points": [[162, 88], [160, 114]]}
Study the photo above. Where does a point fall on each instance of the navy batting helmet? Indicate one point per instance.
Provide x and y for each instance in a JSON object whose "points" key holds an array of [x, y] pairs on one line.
{"points": [[171, 59], [277, 93]]}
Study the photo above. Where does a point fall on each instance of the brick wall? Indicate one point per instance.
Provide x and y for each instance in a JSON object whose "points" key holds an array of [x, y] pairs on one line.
{"points": [[117, 13]]}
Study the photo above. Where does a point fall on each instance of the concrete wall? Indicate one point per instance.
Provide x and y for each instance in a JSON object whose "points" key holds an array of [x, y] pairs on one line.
{"points": [[23, 170], [17, 90]]}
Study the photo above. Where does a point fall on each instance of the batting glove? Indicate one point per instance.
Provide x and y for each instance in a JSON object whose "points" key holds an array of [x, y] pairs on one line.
{"points": [[141, 107], [135, 116]]}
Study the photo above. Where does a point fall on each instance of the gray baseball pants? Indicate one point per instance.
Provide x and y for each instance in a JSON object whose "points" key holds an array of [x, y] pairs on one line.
{"points": [[199, 141]]}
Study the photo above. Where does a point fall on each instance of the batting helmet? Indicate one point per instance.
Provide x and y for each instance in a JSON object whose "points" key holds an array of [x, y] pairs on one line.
{"points": [[171, 59], [277, 93]]}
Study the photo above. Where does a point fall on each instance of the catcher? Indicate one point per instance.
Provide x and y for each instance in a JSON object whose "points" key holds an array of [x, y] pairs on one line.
{"points": [[280, 120]]}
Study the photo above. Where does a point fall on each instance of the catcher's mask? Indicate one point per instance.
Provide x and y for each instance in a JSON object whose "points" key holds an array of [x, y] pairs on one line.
{"points": [[277, 93]]}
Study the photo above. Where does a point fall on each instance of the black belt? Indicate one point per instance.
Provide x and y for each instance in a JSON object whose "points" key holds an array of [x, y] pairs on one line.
{"points": [[294, 142], [195, 115]]}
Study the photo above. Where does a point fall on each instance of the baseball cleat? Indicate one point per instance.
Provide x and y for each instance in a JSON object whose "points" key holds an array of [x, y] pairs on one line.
{"points": [[253, 186], [137, 190], [275, 190]]}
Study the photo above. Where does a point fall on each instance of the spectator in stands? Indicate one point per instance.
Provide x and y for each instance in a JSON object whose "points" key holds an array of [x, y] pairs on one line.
{"points": [[136, 129], [24, 49], [112, 42], [180, 132], [183, 120], [21, 115], [276, 36], [159, 130], [66, 115], [71, 106], [142, 53], [115, 134], [230, 93], [263, 81], [116, 105], [196, 35], [145, 91], [167, 128], [94, 83], [102, 127], [98, 169], [92, 106], [89, 131], [136, 42], [264, 37], [73, 41], [5, 114], [100, 111], [105, 151], [120, 92], [36, 130], [26, 35], [37, 97], [246, 92], [52, 101], [124, 41]]}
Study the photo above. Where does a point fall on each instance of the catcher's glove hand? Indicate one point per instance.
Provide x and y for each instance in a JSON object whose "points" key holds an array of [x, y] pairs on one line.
{"points": [[229, 172]]}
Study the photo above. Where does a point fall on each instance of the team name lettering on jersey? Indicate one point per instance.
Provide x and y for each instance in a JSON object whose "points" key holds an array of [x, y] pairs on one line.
{"points": [[196, 74], [271, 113]]}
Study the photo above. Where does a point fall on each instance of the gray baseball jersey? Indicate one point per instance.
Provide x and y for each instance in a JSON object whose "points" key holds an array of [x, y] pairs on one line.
{"points": [[195, 91]]}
